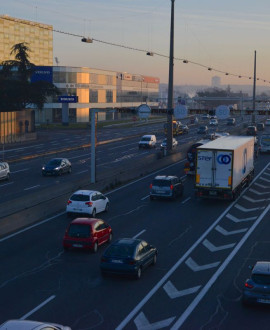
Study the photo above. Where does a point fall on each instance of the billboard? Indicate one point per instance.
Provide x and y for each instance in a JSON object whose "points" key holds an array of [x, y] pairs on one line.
{"points": [[42, 73]]}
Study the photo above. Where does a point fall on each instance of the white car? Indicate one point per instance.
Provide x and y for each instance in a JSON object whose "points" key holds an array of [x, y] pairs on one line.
{"points": [[267, 123], [213, 122], [31, 325], [164, 143], [4, 171], [87, 202]]}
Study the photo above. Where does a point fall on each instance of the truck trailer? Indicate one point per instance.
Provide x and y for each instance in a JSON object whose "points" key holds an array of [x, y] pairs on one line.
{"points": [[224, 167]]}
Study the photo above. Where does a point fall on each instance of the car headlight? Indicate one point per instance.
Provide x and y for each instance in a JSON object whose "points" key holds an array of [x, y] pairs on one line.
{"points": [[57, 168], [43, 168]]}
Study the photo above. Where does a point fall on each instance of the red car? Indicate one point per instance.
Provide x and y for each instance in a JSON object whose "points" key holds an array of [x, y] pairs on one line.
{"points": [[87, 233]]}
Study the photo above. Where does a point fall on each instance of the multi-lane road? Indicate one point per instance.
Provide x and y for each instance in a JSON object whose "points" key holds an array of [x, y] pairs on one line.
{"points": [[205, 248]]}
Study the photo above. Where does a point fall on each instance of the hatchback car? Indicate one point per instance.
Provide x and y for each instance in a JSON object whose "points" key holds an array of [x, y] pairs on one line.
{"points": [[128, 256], [260, 126], [202, 130], [164, 143], [166, 186], [57, 166], [4, 171], [87, 202], [184, 129], [31, 325], [87, 234], [213, 122], [148, 141], [251, 130], [257, 287]]}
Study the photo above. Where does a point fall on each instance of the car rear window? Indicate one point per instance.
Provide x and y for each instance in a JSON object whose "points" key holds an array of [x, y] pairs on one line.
{"points": [[145, 139], [120, 250], [76, 230], [80, 198], [261, 279], [161, 183]]}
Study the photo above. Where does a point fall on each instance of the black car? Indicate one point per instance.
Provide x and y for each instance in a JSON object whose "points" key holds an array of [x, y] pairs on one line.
{"points": [[166, 186], [252, 130], [128, 256], [56, 166], [202, 130]]}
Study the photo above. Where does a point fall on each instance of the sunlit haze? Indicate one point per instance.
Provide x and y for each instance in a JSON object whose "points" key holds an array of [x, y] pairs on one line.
{"points": [[219, 34]]}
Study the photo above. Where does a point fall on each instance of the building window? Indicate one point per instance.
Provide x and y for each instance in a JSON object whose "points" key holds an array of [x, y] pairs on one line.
{"points": [[93, 96], [109, 96]]}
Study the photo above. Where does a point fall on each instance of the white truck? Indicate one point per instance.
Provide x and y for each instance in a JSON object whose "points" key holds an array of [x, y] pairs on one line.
{"points": [[224, 167]]}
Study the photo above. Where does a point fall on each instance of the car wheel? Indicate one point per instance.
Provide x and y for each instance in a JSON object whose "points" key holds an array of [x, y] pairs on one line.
{"points": [[107, 207], [154, 261], [8, 177], [70, 170], [94, 213], [139, 273], [95, 248], [110, 238], [60, 173]]}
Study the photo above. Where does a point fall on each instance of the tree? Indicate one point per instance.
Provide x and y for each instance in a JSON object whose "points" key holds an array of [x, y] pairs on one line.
{"points": [[17, 92]]}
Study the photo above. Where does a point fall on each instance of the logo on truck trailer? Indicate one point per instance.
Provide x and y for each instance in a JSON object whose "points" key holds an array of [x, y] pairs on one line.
{"points": [[224, 159]]}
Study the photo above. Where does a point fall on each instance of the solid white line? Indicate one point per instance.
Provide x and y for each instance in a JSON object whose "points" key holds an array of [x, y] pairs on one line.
{"points": [[33, 226], [123, 146], [144, 197], [32, 187], [81, 172], [38, 307], [177, 264], [187, 199], [18, 149], [25, 169], [6, 184], [141, 232]]}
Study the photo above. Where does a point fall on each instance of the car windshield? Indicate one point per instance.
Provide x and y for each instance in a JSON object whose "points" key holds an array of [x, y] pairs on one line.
{"points": [[121, 250], [55, 162], [80, 198], [76, 230], [161, 183], [261, 279], [146, 138]]}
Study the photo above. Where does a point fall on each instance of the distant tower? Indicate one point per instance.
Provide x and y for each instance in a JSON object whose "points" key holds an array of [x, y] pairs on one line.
{"points": [[216, 81], [56, 60]]}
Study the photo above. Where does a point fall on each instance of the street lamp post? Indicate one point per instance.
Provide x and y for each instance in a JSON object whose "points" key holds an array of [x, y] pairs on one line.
{"points": [[170, 87], [254, 90]]}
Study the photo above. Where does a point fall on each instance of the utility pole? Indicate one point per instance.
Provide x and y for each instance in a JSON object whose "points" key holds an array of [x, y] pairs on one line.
{"points": [[254, 90], [170, 86]]}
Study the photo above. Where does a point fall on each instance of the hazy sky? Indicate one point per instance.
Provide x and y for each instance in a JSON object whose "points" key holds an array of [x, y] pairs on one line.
{"points": [[219, 34]]}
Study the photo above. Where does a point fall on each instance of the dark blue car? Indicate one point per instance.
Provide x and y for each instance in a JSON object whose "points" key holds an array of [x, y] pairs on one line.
{"points": [[128, 256], [56, 166]]}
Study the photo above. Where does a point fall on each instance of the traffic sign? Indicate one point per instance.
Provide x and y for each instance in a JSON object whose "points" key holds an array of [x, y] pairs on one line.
{"points": [[222, 112], [144, 111], [68, 99], [180, 111]]}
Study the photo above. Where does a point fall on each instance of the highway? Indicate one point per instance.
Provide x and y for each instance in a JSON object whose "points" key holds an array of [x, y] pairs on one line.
{"points": [[204, 246]]}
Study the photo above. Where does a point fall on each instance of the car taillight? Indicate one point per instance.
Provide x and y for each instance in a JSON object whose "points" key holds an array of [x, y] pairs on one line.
{"points": [[69, 202], [89, 203], [248, 285], [171, 187], [151, 186], [132, 262], [103, 259]]}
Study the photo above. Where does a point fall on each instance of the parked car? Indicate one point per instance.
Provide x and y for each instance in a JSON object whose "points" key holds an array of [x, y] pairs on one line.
{"points": [[257, 287], [231, 121], [260, 126], [202, 130], [213, 122], [267, 123], [128, 256], [57, 166], [164, 143], [87, 234], [4, 171], [148, 141], [166, 186], [31, 325], [184, 129], [251, 130], [89, 202]]}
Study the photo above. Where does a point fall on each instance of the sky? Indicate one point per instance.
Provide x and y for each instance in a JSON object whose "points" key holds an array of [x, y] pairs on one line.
{"points": [[222, 35]]}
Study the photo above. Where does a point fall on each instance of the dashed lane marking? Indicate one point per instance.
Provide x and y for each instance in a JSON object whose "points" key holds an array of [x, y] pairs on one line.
{"points": [[231, 232]]}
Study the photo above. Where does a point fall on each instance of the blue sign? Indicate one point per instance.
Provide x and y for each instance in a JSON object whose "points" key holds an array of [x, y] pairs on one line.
{"points": [[224, 159], [68, 99], [42, 73]]}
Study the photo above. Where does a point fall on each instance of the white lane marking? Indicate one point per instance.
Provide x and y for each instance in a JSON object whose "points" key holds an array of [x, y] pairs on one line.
{"points": [[33, 226], [144, 197], [187, 199], [237, 220], [138, 180], [33, 187], [173, 293], [197, 268], [214, 278], [38, 307], [244, 209], [25, 169], [125, 145], [212, 248], [141, 232], [19, 149], [266, 180], [180, 261], [255, 200], [142, 323], [267, 174], [259, 193], [6, 184], [260, 185], [81, 172], [232, 232]]}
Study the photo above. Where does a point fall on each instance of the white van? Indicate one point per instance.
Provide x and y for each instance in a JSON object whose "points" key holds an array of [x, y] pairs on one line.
{"points": [[148, 141], [4, 171]]}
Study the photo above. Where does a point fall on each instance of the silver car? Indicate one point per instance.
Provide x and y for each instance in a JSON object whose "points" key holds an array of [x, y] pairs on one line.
{"points": [[31, 325], [4, 171], [257, 287]]}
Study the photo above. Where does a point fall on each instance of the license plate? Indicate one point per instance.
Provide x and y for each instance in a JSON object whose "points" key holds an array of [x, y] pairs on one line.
{"points": [[79, 210], [77, 245], [117, 261], [263, 301], [213, 193], [160, 191]]}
